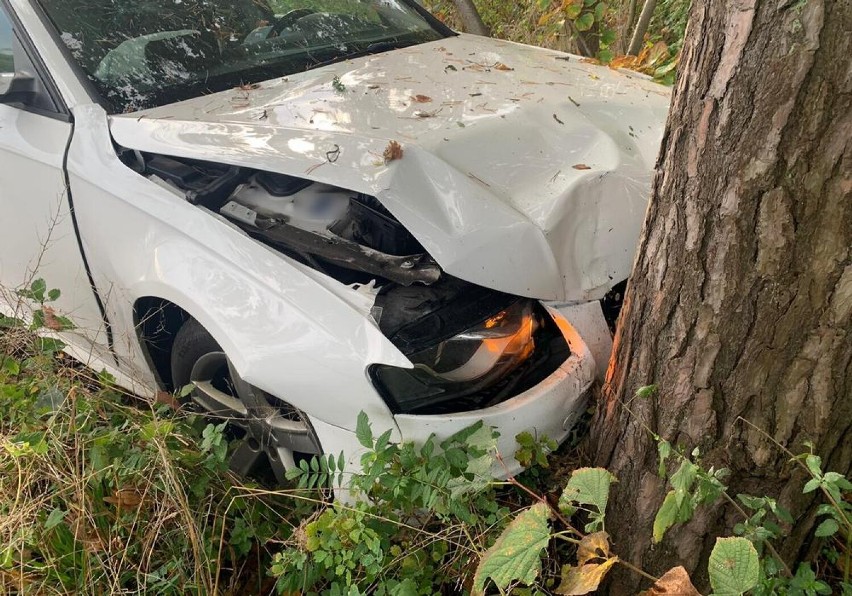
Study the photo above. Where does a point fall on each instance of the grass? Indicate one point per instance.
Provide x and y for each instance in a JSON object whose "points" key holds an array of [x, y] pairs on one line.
{"points": [[104, 493]]}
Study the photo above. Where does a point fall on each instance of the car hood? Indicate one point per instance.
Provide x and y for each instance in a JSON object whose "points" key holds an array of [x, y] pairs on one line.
{"points": [[522, 169]]}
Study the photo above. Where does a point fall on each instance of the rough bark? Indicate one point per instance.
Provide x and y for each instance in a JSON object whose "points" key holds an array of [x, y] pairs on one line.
{"points": [[740, 303], [470, 18]]}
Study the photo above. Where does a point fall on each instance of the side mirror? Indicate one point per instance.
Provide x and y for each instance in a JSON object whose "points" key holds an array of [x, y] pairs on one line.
{"points": [[17, 87]]}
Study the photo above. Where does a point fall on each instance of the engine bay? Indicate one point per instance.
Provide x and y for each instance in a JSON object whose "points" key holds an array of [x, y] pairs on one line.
{"points": [[472, 347]]}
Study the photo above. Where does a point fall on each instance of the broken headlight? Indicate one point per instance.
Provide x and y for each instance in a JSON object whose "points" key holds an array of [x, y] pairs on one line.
{"points": [[464, 364]]}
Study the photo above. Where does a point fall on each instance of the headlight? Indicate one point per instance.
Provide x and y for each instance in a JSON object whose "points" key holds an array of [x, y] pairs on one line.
{"points": [[463, 364]]}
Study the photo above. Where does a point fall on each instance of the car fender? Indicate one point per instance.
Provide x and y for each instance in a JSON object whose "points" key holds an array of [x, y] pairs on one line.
{"points": [[288, 330]]}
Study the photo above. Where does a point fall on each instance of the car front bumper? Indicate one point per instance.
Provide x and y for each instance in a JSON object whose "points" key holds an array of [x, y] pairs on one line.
{"points": [[551, 408]]}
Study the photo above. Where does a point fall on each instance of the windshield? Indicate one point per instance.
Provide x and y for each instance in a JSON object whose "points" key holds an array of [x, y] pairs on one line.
{"points": [[146, 53]]}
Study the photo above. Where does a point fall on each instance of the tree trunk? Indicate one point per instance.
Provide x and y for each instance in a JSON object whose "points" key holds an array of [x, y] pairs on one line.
{"points": [[642, 27], [740, 303], [470, 18]]}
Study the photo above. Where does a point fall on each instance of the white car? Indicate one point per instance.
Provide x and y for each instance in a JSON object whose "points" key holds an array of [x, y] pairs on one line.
{"points": [[314, 212]]}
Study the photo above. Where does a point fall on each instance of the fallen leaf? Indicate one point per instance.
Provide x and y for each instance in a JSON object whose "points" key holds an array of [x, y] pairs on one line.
{"points": [[675, 582], [581, 166], [590, 61], [393, 152], [125, 498], [80, 528], [50, 320], [421, 99], [250, 87], [593, 546], [625, 61], [501, 66], [584, 579], [166, 399]]}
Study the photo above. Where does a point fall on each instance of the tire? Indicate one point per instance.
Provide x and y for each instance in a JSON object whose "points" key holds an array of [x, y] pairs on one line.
{"points": [[191, 343], [265, 429]]}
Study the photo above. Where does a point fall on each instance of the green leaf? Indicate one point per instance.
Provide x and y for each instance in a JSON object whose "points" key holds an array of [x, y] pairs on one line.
{"points": [[363, 432], [54, 519], [517, 553], [10, 366], [38, 288], [600, 12], [49, 345], [664, 448], [53, 295], [608, 37], [572, 11], [827, 528], [683, 479], [585, 21], [814, 463], [666, 516], [734, 566], [811, 485], [383, 440], [588, 486], [646, 391], [753, 503]]}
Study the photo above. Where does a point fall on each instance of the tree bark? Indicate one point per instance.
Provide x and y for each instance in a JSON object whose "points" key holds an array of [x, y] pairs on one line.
{"points": [[740, 303], [470, 18]]}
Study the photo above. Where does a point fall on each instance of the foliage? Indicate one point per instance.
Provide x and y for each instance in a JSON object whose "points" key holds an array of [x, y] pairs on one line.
{"points": [[517, 553], [419, 511], [587, 486], [591, 27], [763, 520], [98, 494], [733, 566]]}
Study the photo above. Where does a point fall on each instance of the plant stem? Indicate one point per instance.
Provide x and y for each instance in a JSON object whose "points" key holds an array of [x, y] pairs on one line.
{"points": [[771, 548], [513, 481], [844, 518], [635, 569]]}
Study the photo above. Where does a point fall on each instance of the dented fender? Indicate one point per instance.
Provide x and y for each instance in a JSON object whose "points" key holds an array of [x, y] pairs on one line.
{"points": [[250, 298]]}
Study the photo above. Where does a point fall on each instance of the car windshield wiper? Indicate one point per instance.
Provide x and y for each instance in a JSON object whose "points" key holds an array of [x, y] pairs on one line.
{"points": [[374, 48]]}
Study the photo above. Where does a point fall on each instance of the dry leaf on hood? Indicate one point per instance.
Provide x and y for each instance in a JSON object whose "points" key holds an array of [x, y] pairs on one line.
{"points": [[421, 99], [393, 152], [501, 66], [581, 166]]}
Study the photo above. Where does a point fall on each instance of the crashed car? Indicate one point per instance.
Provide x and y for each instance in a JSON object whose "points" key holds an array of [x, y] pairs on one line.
{"points": [[307, 210]]}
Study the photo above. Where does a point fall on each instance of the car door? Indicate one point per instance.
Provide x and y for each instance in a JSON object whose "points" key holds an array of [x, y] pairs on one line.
{"points": [[38, 237]]}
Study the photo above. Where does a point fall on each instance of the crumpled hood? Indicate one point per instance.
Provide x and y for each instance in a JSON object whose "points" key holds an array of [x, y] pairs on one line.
{"points": [[523, 169]]}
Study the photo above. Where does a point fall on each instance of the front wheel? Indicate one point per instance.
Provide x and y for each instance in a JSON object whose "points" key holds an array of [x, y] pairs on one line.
{"points": [[271, 433]]}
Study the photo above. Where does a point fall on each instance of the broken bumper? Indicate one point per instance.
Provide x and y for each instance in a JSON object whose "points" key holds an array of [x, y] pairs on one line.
{"points": [[551, 408]]}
